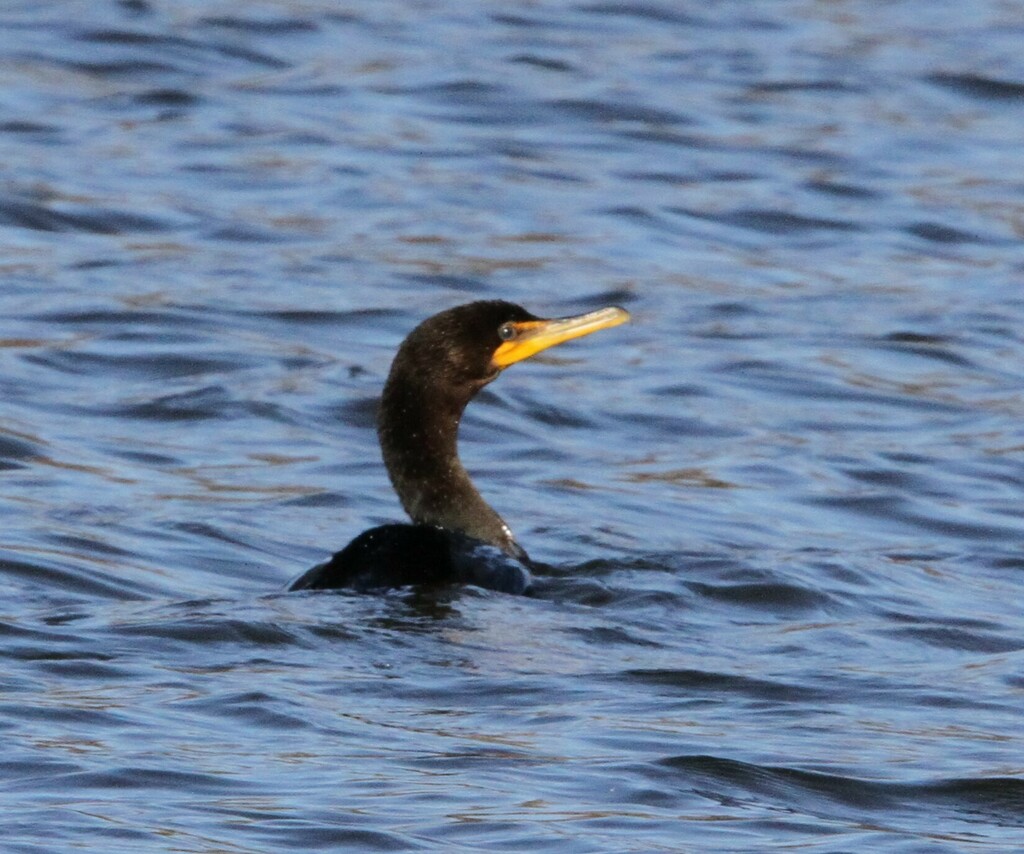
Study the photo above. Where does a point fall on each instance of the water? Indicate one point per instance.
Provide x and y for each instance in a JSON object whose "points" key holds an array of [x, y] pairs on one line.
{"points": [[781, 510]]}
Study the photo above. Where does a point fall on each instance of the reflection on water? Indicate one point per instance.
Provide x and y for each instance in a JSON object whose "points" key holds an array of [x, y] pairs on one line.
{"points": [[780, 513]]}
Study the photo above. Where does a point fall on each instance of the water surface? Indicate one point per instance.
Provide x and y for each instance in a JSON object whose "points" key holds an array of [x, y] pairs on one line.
{"points": [[780, 512]]}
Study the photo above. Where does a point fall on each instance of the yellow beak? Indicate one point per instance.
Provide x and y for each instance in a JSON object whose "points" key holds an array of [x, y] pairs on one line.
{"points": [[532, 336]]}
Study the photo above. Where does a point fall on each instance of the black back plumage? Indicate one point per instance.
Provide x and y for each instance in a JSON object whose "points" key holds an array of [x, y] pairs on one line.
{"points": [[397, 555]]}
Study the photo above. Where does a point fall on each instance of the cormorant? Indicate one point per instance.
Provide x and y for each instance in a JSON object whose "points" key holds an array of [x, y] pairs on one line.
{"points": [[455, 536]]}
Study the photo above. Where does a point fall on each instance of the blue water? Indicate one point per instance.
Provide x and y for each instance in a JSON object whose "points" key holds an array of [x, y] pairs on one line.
{"points": [[781, 512]]}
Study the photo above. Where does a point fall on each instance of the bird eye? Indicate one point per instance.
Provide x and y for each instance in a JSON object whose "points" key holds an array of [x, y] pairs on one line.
{"points": [[506, 332]]}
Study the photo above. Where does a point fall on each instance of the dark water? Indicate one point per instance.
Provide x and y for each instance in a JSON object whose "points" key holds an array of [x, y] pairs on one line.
{"points": [[783, 509]]}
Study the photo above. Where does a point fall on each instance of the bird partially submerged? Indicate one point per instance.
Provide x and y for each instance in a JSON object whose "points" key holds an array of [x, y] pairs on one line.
{"points": [[456, 536]]}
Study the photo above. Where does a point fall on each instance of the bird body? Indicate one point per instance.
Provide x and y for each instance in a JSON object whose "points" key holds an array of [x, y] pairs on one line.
{"points": [[456, 536], [399, 554]]}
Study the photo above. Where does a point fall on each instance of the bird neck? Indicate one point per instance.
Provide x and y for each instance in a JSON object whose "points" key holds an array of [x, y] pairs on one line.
{"points": [[418, 431]]}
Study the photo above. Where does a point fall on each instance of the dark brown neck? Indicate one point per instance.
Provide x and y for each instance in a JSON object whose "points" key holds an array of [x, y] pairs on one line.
{"points": [[418, 430]]}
